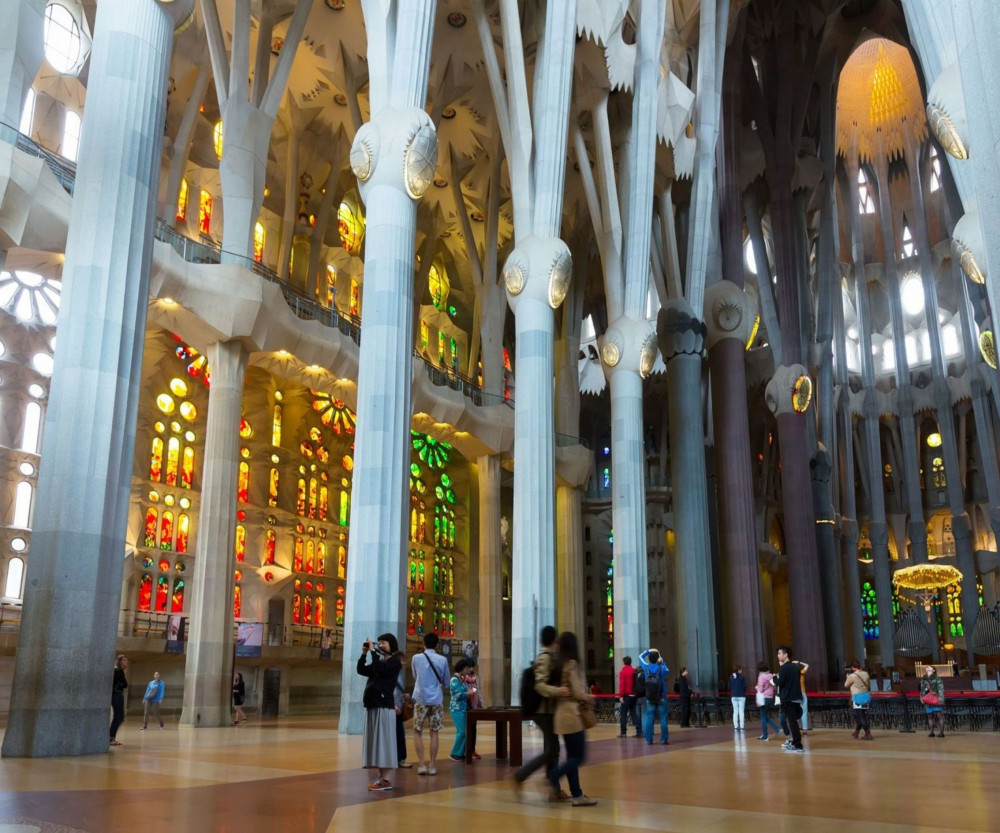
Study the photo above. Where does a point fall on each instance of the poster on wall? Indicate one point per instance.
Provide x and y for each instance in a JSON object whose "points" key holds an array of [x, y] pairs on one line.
{"points": [[176, 626], [470, 650], [444, 648], [249, 639], [326, 644]]}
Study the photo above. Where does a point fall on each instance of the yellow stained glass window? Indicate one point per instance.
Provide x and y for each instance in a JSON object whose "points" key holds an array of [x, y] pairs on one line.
{"points": [[205, 212], [217, 139], [276, 426], [355, 298], [272, 489], [350, 224], [331, 285], [173, 459], [187, 467], [182, 200], [258, 242], [156, 460], [241, 543], [243, 483], [183, 530]]}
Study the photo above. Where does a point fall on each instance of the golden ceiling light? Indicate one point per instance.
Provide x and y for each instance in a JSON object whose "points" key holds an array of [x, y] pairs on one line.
{"points": [[879, 96], [925, 579]]}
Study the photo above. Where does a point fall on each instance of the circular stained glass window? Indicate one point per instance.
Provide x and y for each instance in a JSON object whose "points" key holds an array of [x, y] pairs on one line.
{"points": [[178, 387], [154, 496], [42, 362], [245, 430], [147, 562], [169, 500], [185, 503], [175, 427], [190, 436], [802, 394], [320, 587], [36, 390], [27, 469], [165, 402], [245, 453], [18, 545], [189, 411], [179, 567], [164, 565], [159, 427]]}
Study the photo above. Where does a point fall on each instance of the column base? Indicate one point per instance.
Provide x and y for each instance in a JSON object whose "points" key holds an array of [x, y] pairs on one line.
{"points": [[207, 717], [49, 733]]}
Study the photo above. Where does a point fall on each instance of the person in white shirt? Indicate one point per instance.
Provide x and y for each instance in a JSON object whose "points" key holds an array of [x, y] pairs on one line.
{"points": [[430, 672]]}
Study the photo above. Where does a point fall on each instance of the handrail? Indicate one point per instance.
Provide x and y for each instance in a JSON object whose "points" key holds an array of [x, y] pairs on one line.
{"points": [[300, 303]]}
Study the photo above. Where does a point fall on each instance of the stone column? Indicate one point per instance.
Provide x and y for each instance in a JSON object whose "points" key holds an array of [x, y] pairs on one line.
{"points": [[393, 157], [729, 315], [208, 667], [65, 655], [569, 560], [852, 585], [682, 342], [22, 48], [491, 656]]}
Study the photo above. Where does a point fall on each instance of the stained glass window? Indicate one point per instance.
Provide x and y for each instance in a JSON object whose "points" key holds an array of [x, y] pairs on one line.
{"points": [[173, 460], [297, 555], [269, 542], [183, 530], [243, 483], [355, 298], [313, 496], [241, 542], [321, 558], [437, 281], [310, 565], [331, 286], [272, 488], [350, 224], [345, 508], [319, 612], [300, 500], [441, 344], [145, 592], [334, 413], [453, 346], [258, 242], [182, 200], [162, 592], [205, 212], [869, 611], [177, 599], [152, 518], [425, 336], [167, 531], [340, 611], [217, 135], [606, 478], [237, 602], [276, 426], [431, 451], [324, 499], [954, 596], [187, 467]]}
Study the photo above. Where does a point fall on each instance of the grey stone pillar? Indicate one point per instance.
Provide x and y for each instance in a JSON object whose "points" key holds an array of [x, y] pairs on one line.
{"points": [[682, 342], [832, 578], [65, 656], [569, 560], [393, 157], [21, 52], [491, 655], [208, 668]]}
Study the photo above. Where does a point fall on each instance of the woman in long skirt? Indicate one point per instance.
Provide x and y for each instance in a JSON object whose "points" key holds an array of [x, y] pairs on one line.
{"points": [[379, 741]]}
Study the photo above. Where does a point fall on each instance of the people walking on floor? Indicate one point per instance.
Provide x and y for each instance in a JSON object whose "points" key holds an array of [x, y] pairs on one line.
{"points": [[546, 672], [654, 678], [859, 684], [400, 699], [239, 694], [789, 682], [119, 683], [738, 696], [378, 745], [932, 698], [684, 689], [151, 700], [765, 699], [430, 674], [458, 707], [568, 723], [627, 698]]}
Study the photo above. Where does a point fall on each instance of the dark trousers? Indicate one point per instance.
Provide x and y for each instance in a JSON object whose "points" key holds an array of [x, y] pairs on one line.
{"points": [[625, 709], [549, 757], [861, 721], [400, 738], [793, 712], [118, 710], [686, 711], [576, 752]]}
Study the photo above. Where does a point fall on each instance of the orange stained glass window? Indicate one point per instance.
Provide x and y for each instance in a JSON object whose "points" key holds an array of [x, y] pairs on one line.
{"points": [[152, 516], [296, 608], [313, 486], [272, 488], [237, 602], [177, 599], [319, 611], [156, 460], [241, 542], [342, 562], [269, 547], [310, 556], [307, 605], [167, 531], [205, 212], [183, 530], [173, 459], [162, 592], [182, 200], [324, 499], [340, 611], [297, 556], [187, 467], [300, 503], [145, 592], [321, 558], [355, 298], [276, 426], [243, 483], [258, 242]]}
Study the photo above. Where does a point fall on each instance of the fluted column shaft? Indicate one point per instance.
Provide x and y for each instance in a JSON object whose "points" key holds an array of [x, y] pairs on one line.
{"points": [[21, 53], [65, 655], [490, 623], [208, 668]]}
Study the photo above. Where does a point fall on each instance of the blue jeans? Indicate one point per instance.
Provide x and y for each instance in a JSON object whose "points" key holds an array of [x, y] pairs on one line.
{"points": [[576, 752], [458, 749], [625, 710], [652, 711], [765, 718], [805, 713]]}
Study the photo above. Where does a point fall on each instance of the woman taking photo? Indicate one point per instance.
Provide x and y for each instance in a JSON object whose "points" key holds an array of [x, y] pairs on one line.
{"points": [[378, 749], [568, 723], [932, 697]]}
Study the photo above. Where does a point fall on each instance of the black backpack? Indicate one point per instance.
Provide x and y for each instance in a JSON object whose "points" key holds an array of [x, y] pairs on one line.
{"points": [[639, 687], [531, 700], [654, 687]]}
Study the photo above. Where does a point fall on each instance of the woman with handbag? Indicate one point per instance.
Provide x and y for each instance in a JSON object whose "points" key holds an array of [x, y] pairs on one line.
{"points": [[765, 699], [378, 748], [932, 697], [574, 712], [860, 685]]}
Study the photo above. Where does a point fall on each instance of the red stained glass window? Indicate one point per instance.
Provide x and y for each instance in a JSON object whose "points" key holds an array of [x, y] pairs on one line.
{"points": [[310, 556], [182, 200], [272, 489], [237, 602], [152, 516], [300, 503], [269, 547], [173, 459], [205, 212], [145, 592], [296, 609], [340, 611], [243, 484], [307, 609], [187, 467], [183, 530], [313, 487], [321, 559], [177, 599], [342, 562], [156, 460], [162, 591], [167, 531], [297, 558], [241, 543], [319, 611]]}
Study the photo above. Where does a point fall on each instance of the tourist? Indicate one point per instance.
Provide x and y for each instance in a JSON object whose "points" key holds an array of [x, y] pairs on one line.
{"points": [[860, 685], [118, 685], [472, 692], [684, 688], [738, 697], [568, 723], [765, 699], [789, 683], [400, 700], [458, 707], [932, 697], [378, 745], [627, 698], [239, 693], [151, 700], [654, 672], [430, 671]]}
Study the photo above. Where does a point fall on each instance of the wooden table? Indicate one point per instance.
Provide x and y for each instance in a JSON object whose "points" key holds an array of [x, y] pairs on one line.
{"points": [[503, 718]]}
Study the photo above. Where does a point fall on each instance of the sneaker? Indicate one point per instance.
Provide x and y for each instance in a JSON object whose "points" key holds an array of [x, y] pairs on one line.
{"points": [[787, 745], [432, 770], [559, 795], [584, 801], [764, 738], [143, 729], [380, 785], [796, 749], [405, 765], [421, 770], [457, 758]]}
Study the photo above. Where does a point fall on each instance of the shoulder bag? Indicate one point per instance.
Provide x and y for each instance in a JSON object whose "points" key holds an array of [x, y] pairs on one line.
{"points": [[588, 716]]}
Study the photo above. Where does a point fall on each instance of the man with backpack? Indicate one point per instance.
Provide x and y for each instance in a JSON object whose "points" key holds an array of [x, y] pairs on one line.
{"points": [[654, 677], [538, 703]]}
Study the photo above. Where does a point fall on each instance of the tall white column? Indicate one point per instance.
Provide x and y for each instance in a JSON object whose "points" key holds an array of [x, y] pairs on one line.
{"points": [[569, 559], [208, 669], [491, 656], [21, 53], [393, 157], [65, 656]]}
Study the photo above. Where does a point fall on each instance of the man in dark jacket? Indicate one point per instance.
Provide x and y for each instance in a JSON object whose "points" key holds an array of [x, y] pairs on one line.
{"points": [[790, 691], [684, 687], [738, 695]]}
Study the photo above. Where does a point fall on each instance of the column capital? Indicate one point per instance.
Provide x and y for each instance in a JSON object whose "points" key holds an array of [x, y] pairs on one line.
{"points": [[729, 313], [789, 391], [679, 331], [180, 11], [628, 346], [398, 148], [540, 269]]}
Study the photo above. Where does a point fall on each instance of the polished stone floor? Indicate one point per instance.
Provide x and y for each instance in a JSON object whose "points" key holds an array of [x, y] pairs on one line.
{"points": [[299, 774]]}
